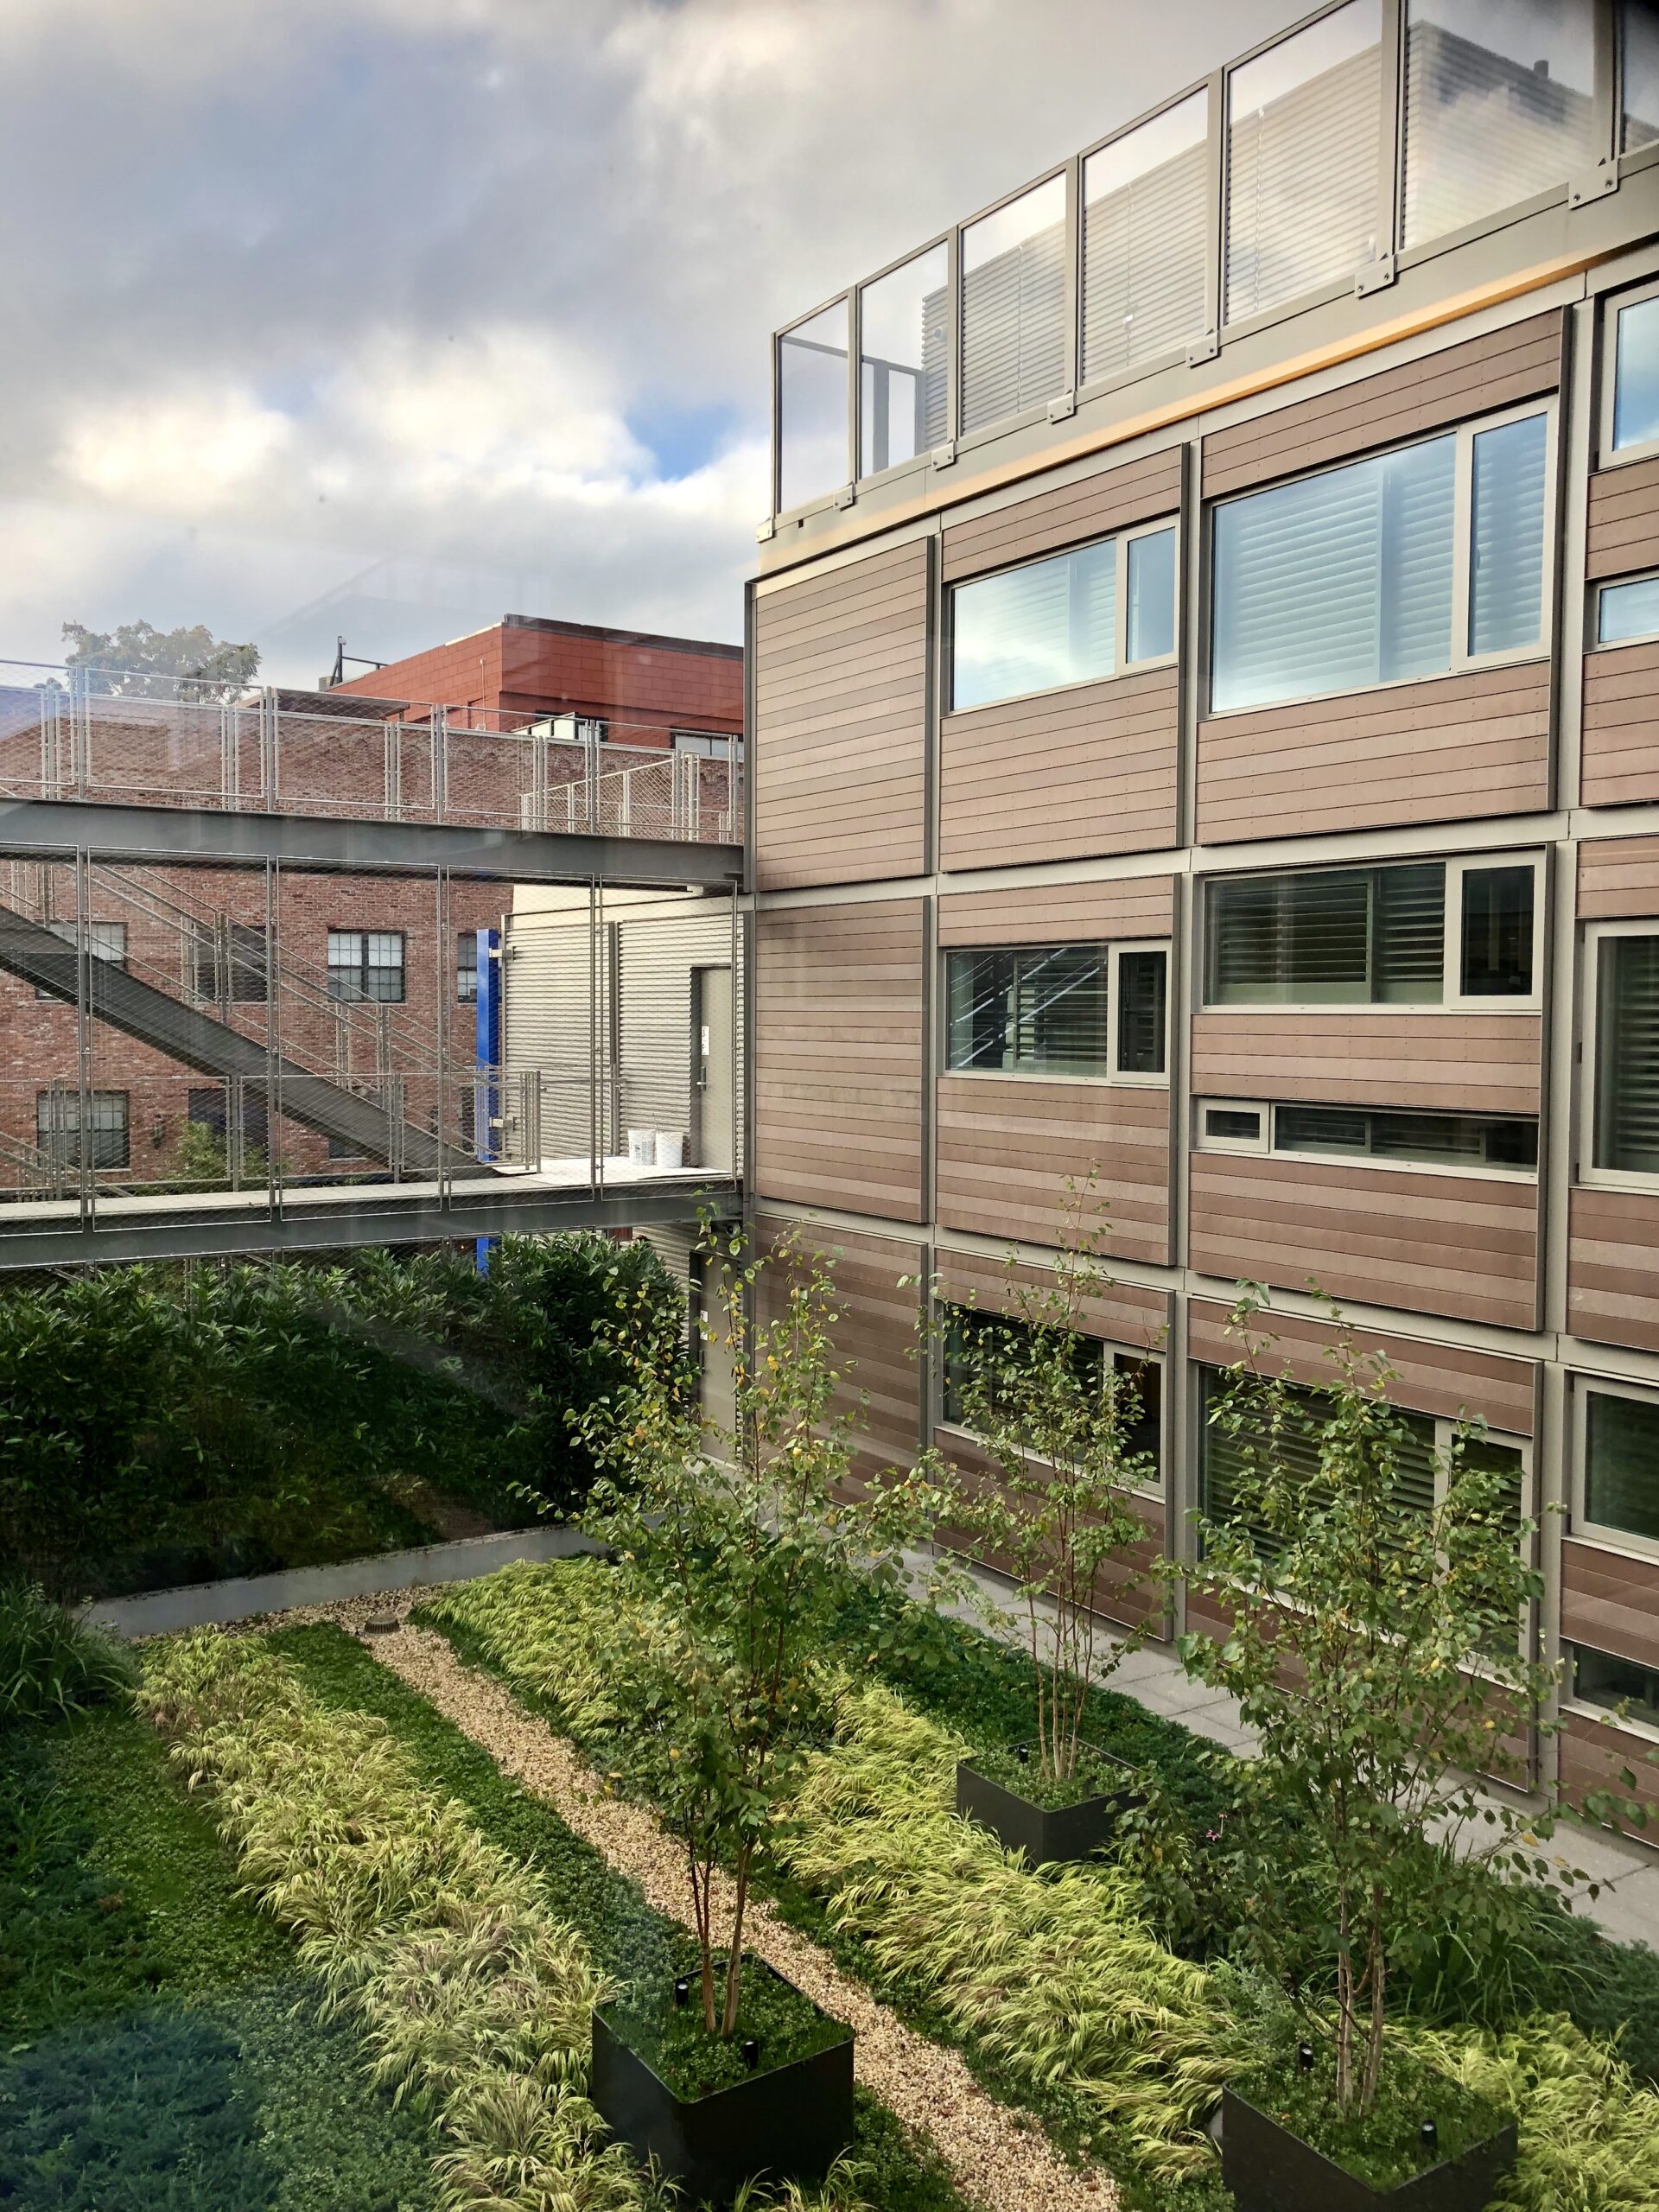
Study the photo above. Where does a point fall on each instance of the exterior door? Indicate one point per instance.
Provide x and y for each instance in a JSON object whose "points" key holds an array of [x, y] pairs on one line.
{"points": [[711, 1013]]}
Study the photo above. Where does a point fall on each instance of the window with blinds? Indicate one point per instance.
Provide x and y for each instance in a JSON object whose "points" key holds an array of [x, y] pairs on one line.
{"points": [[1142, 989], [1639, 33], [1013, 334], [1499, 106], [1304, 180], [1146, 237], [812, 407], [1029, 1008], [1472, 1141], [1636, 376], [904, 362], [1034, 628], [1627, 1055], [1000, 1339], [1621, 1464], [1334, 936]]}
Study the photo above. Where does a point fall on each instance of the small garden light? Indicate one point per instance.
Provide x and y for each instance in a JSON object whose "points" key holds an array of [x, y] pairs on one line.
{"points": [[1428, 2135], [681, 1991], [750, 2053], [1305, 2057]]}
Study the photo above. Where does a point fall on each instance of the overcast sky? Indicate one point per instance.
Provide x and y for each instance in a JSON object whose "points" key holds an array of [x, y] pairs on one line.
{"points": [[392, 315]]}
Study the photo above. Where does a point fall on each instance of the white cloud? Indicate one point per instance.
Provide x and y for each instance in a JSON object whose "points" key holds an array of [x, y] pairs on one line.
{"points": [[187, 451]]}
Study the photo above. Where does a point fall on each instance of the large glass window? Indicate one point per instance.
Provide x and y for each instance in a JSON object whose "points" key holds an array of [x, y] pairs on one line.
{"points": [[1627, 1054], [812, 407], [1330, 937], [1506, 572], [1146, 226], [58, 1132], [1144, 1406], [1500, 105], [1639, 21], [1626, 611], [1031, 629], [1636, 375], [366, 965], [1621, 1462], [1014, 307], [1039, 1009], [1303, 183], [904, 362]]}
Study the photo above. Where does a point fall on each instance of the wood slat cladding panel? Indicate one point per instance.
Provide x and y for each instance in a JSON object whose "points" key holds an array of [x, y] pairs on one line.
{"points": [[1594, 1757], [841, 715], [1622, 528], [1067, 775], [1610, 1601], [1466, 1246], [1005, 1146], [1060, 913], [1070, 514], [1620, 743], [1125, 1314], [874, 1336], [1443, 1380], [1521, 361], [1612, 1266], [838, 1056], [1618, 879], [1451, 1063], [1452, 749]]}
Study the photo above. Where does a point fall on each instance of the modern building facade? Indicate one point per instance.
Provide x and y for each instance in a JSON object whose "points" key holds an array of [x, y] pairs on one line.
{"points": [[1204, 669]]}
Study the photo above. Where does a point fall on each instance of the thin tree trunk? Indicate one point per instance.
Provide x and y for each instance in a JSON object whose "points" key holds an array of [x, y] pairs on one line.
{"points": [[1345, 2014], [734, 1959], [1377, 1974]]}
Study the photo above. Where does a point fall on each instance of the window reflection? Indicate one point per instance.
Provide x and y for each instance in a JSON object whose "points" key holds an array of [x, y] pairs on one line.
{"points": [[904, 362], [1014, 305], [1145, 224]]}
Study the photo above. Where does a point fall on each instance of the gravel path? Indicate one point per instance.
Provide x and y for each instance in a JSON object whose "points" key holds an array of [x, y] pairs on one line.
{"points": [[997, 2156]]}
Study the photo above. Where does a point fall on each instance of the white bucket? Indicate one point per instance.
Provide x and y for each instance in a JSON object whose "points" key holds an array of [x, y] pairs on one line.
{"points": [[642, 1148], [670, 1148]]}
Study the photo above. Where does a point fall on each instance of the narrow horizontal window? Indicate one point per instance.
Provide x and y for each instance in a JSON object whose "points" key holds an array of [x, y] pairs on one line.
{"points": [[1146, 234], [1622, 1685], [1472, 1141], [1335, 936], [1636, 376], [1014, 305], [1142, 991], [1029, 1009], [1034, 628], [1627, 1055], [904, 357], [1626, 611], [1621, 1464], [1233, 1124], [812, 407]]}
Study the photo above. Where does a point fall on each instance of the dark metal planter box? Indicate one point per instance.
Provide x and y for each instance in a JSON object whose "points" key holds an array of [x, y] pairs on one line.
{"points": [[786, 2124], [1270, 2169], [1047, 1838]]}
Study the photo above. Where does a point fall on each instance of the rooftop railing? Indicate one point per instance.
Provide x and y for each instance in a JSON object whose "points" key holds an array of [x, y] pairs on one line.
{"points": [[145, 740], [1373, 134]]}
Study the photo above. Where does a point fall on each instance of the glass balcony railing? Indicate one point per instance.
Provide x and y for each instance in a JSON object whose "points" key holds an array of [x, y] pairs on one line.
{"points": [[1314, 164]]}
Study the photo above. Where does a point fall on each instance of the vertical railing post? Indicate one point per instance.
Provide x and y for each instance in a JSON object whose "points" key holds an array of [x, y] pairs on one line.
{"points": [[440, 764], [538, 776], [590, 743], [80, 729]]}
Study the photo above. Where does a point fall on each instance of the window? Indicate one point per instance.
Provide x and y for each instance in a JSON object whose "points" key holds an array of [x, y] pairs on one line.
{"points": [[1500, 106], [903, 354], [1044, 1010], [1146, 226], [1225, 1127], [1636, 376], [366, 965], [1076, 618], [1626, 611], [466, 967], [1625, 971], [812, 407], [1641, 37], [1601, 1678], [1013, 334], [232, 961], [1144, 1376], [1374, 936], [1351, 577], [1618, 1462], [105, 941], [209, 1109], [707, 744], [1303, 179], [57, 1129], [1508, 1143]]}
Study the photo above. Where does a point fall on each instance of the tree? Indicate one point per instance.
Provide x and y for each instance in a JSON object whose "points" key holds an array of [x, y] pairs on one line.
{"points": [[1058, 1418], [1378, 1647], [137, 661], [739, 1540]]}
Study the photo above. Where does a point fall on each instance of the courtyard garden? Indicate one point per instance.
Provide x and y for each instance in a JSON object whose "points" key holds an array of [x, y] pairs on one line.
{"points": [[554, 1892]]}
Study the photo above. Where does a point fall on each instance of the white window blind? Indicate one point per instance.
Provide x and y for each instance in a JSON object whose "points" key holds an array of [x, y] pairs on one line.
{"points": [[1146, 222], [1627, 1055], [1031, 629], [1336, 937], [1506, 580], [1303, 151], [1014, 305]]}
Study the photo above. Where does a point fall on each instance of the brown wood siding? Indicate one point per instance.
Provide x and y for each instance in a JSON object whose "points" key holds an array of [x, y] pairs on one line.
{"points": [[1070, 514], [1060, 913], [1123, 1314], [1618, 879], [841, 715], [1476, 377], [1065, 775], [1005, 1146], [1612, 1266], [1452, 749], [1444, 1380], [838, 1056], [1594, 1756], [1465, 1246], [874, 1337], [1620, 744], [1622, 527], [1453, 1063], [1610, 1601]]}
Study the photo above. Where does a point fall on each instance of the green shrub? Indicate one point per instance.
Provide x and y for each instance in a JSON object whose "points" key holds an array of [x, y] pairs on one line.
{"points": [[50, 1664]]}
